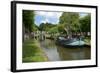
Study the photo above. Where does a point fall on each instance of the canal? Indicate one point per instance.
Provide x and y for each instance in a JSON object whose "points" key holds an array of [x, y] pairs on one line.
{"points": [[58, 53]]}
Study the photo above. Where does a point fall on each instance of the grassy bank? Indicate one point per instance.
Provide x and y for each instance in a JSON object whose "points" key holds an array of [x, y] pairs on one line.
{"points": [[32, 52]]}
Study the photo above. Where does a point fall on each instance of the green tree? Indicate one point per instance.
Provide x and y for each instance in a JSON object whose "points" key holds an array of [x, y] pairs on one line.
{"points": [[35, 28], [41, 27], [53, 30], [70, 20], [61, 28], [28, 19], [85, 23], [46, 26]]}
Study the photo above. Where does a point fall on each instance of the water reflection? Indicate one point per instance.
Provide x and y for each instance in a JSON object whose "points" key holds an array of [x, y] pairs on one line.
{"points": [[74, 53], [58, 53], [50, 50]]}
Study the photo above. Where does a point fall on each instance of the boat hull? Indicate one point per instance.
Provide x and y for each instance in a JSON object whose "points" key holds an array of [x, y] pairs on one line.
{"points": [[72, 43]]}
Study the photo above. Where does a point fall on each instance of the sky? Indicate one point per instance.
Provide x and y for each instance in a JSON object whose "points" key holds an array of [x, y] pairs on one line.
{"points": [[50, 17]]}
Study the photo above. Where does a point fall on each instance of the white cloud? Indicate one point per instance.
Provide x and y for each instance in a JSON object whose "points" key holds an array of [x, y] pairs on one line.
{"points": [[83, 14], [49, 17], [49, 14], [45, 21], [39, 12]]}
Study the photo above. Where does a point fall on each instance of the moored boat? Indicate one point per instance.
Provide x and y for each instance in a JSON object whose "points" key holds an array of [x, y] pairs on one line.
{"points": [[71, 42]]}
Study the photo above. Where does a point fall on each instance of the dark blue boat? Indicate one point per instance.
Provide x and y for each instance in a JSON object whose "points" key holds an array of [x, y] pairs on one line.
{"points": [[71, 42]]}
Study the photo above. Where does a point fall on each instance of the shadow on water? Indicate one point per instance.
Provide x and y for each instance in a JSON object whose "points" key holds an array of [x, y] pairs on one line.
{"points": [[59, 53], [74, 53]]}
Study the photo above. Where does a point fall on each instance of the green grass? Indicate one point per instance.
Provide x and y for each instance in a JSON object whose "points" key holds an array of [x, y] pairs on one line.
{"points": [[32, 52]]}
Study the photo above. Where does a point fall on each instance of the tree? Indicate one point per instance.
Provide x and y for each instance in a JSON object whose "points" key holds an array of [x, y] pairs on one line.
{"points": [[61, 28], [45, 26], [28, 23], [85, 23], [70, 20], [28, 19], [53, 30], [35, 28], [41, 27]]}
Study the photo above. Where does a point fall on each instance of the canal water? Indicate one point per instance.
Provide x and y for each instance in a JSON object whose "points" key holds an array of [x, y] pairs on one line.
{"points": [[58, 53]]}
